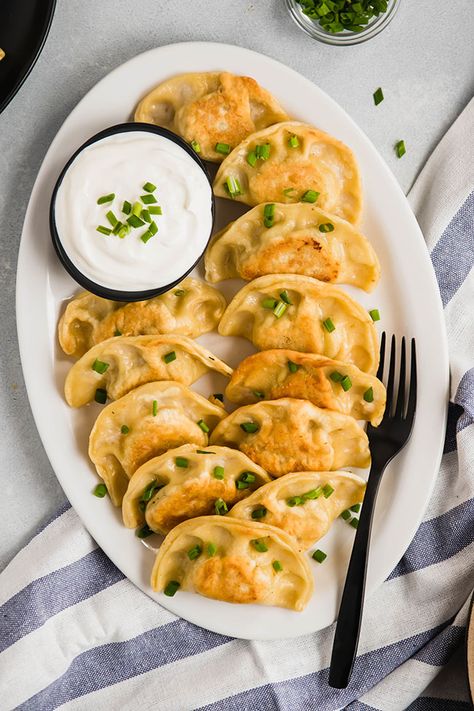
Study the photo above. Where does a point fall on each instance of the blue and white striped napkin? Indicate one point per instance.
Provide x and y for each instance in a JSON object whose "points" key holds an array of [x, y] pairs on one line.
{"points": [[75, 634]]}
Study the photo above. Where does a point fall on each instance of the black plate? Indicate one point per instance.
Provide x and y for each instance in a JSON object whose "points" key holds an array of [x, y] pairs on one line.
{"points": [[24, 26]]}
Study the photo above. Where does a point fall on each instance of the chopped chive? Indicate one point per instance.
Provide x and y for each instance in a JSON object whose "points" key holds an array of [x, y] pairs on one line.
{"points": [[155, 408], [280, 309], [232, 185], [111, 218], [259, 512], [149, 491], [378, 96], [194, 552], [293, 141], [117, 332], [328, 325], [148, 199], [354, 522], [355, 508], [169, 357], [125, 429], [218, 396], [259, 394], [374, 314], [310, 196], [155, 210], [263, 152], [249, 427], [100, 491], [135, 221], [203, 451], [181, 462], [103, 230], [346, 514], [203, 426], [269, 303], [137, 209], [146, 215], [288, 191], [259, 545], [144, 531], [295, 501], [99, 366], [218, 473], [346, 383], [172, 587], [319, 556], [152, 228], [223, 148], [123, 231], [293, 367], [126, 207], [313, 493], [248, 477], [211, 549], [242, 485], [146, 236], [100, 396], [220, 507], [327, 491], [369, 395], [400, 149], [277, 566], [179, 292], [336, 376], [149, 188], [105, 198], [269, 209], [117, 228], [284, 297], [196, 146], [252, 159], [326, 227]]}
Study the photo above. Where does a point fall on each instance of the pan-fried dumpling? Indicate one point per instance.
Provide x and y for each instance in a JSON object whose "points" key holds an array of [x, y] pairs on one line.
{"points": [[145, 423], [304, 504], [120, 364], [210, 108], [327, 383], [299, 239], [294, 435], [187, 482], [321, 318], [291, 162], [235, 561], [190, 309]]}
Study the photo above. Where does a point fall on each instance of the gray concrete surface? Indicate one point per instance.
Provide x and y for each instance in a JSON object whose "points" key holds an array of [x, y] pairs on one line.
{"points": [[424, 61]]}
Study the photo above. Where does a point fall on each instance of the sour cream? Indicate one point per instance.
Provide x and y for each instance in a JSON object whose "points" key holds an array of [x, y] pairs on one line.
{"points": [[122, 163]]}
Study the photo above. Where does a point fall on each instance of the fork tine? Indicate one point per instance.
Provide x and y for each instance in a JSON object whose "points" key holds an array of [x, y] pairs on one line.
{"points": [[391, 376], [400, 407], [413, 383], [382, 356]]}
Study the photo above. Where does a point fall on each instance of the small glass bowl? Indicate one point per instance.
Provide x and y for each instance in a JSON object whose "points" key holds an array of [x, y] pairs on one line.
{"points": [[314, 29]]}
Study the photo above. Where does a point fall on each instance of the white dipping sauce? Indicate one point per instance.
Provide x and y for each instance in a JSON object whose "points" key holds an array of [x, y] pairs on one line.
{"points": [[122, 164]]}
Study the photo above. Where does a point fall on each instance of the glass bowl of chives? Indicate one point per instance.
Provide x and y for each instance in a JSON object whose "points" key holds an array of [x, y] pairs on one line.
{"points": [[342, 22]]}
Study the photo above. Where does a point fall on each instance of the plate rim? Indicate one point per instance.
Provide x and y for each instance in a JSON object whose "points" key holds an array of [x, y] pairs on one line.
{"points": [[219, 48]]}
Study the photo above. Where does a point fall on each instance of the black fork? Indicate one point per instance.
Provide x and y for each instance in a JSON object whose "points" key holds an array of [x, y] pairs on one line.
{"points": [[385, 441]]}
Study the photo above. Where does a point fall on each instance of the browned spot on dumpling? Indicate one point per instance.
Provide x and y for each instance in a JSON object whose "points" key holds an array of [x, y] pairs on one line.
{"points": [[138, 319], [233, 579]]}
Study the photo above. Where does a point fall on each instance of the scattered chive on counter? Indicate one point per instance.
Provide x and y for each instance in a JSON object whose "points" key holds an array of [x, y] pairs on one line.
{"points": [[400, 149], [100, 491], [319, 556], [378, 96], [335, 16]]}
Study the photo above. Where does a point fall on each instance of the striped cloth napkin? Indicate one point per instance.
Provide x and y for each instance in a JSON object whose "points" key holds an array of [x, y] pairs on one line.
{"points": [[74, 633]]}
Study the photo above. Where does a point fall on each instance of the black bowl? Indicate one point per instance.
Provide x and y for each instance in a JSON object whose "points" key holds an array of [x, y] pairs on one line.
{"points": [[77, 275]]}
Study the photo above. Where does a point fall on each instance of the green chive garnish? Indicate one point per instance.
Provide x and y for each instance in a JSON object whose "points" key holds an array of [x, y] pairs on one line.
{"points": [[152, 228], [293, 141], [346, 383], [248, 477], [295, 501], [259, 512], [355, 508], [277, 566], [117, 227], [194, 552], [155, 210], [269, 303], [196, 146], [328, 325], [249, 427], [242, 485], [326, 227], [169, 357], [111, 218], [280, 309], [336, 376], [100, 396], [374, 314], [99, 366], [125, 429], [146, 236], [269, 214], [263, 152], [400, 149], [259, 545], [105, 198], [319, 556], [313, 493], [144, 531], [181, 462], [223, 148], [146, 215], [251, 159], [310, 196], [135, 221], [149, 492], [288, 191], [378, 96], [232, 185], [179, 292], [258, 394], [203, 451], [137, 209], [346, 514], [211, 549], [123, 231], [155, 408], [100, 491], [354, 522], [218, 473], [117, 332], [284, 297], [103, 230], [148, 199], [149, 188], [220, 507], [126, 207], [203, 426], [171, 588], [293, 367], [327, 491], [369, 395]]}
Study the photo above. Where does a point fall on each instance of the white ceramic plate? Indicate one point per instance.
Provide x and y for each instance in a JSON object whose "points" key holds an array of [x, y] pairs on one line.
{"points": [[407, 298]]}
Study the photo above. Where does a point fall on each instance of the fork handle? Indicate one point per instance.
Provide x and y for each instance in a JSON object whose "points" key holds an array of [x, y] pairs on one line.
{"points": [[346, 637]]}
